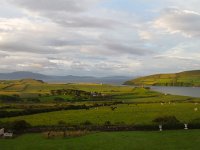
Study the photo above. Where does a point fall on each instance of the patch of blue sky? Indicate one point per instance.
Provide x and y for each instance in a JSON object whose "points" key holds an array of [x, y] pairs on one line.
{"points": [[143, 8], [9, 11]]}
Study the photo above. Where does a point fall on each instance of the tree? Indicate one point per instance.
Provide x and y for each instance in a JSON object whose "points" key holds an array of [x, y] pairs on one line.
{"points": [[20, 125]]}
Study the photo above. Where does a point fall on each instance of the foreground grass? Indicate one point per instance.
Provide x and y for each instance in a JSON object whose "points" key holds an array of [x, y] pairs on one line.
{"points": [[167, 140], [128, 114]]}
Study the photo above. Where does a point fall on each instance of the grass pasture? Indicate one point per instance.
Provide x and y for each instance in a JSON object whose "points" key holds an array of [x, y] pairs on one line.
{"points": [[140, 114], [139, 105], [166, 140], [125, 105]]}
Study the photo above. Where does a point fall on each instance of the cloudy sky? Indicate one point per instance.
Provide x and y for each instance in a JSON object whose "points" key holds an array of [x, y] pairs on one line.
{"points": [[99, 37]]}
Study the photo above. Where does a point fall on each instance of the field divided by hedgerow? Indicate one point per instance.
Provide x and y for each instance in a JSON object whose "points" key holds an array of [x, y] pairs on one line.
{"points": [[141, 114]]}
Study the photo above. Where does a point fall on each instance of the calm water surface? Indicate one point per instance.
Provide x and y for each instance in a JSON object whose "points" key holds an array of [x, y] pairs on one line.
{"points": [[185, 91]]}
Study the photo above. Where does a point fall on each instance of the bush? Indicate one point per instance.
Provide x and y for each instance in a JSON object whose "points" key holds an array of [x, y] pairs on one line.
{"points": [[19, 125], [194, 124], [35, 100], [195, 121], [62, 123], [107, 123], [8, 98], [145, 127], [169, 122], [86, 123], [59, 99], [166, 120]]}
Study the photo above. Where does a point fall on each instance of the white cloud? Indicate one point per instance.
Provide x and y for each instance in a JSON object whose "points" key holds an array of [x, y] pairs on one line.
{"points": [[52, 5], [145, 35], [84, 37], [175, 20]]}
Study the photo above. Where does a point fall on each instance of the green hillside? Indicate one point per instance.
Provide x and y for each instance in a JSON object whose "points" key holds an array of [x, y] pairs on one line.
{"points": [[187, 78]]}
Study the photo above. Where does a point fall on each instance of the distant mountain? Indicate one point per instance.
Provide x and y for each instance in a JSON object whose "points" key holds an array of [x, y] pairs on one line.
{"points": [[63, 79], [21, 75], [186, 78]]}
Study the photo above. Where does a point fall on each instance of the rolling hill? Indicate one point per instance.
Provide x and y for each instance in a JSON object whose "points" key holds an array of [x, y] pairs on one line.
{"points": [[63, 79], [186, 78]]}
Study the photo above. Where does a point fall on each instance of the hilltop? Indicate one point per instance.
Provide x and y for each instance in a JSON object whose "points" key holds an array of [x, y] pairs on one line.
{"points": [[186, 78]]}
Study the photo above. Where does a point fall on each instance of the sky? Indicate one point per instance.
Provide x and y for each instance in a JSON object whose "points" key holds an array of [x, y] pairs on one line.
{"points": [[99, 37]]}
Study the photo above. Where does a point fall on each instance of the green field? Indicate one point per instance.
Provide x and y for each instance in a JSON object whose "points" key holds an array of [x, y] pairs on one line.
{"points": [[29, 88], [138, 105], [33, 86], [166, 140], [188, 78], [129, 114], [35, 102]]}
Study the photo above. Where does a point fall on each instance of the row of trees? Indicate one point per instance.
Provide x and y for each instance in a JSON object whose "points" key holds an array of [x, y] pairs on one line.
{"points": [[175, 84], [10, 98], [73, 92], [30, 111], [4, 113], [79, 95], [168, 122]]}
